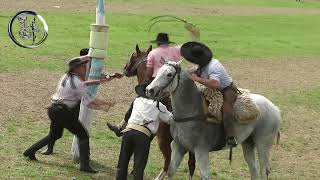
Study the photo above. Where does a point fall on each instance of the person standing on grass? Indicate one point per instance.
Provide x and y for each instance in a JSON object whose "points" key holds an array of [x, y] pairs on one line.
{"points": [[49, 150], [64, 111], [138, 134]]}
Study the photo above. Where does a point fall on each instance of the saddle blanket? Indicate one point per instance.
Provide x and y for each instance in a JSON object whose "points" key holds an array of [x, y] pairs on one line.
{"points": [[245, 110]]}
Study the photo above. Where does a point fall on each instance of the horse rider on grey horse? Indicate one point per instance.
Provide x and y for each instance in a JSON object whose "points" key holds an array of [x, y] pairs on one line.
{"points": [[213, 75]]}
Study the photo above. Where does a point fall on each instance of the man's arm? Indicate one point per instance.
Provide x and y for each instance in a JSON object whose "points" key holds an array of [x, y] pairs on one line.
{"points": [[104, 79], [210, 83], [150, 64], [92, 102], [98, 104], [149, 73], [165, 115]]}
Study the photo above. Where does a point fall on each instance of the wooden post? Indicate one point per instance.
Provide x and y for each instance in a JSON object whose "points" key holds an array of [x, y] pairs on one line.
{"points": [[97, 53]]}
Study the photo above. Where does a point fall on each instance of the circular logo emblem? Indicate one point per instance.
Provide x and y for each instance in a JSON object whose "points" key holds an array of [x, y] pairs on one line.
{"points": [[28, 29]]}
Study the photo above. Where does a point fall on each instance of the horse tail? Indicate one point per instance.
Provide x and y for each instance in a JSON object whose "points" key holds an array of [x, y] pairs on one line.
{"points": [[278, 137]]}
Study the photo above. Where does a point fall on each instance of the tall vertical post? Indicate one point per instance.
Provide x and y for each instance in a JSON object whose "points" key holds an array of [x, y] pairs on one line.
{"points": [[98, 52]]}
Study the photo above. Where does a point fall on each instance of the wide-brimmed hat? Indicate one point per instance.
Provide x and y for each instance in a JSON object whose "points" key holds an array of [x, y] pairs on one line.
{"points": [[162, 38], [141, 89], [196, 53], [75, 62]]}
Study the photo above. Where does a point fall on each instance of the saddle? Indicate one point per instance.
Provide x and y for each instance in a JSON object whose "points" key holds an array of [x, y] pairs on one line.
{"points": [[245, 110]]}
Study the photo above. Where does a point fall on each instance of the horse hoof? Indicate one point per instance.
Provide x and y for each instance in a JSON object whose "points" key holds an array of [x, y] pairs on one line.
{"points": [[162, 175]]}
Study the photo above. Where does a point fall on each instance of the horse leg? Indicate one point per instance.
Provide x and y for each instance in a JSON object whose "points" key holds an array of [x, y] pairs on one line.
{"points": [[177, 155], [263, 149], [202, 158], [164, 139], [191, 164], [248, 153]]}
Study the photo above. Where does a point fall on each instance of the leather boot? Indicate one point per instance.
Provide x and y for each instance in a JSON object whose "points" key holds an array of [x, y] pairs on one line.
{"points": [[84, 156], [117, 129], [30, 153], [228, 119]]}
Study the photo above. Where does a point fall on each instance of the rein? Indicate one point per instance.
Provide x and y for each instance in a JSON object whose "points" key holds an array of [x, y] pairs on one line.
{"points": [[138, 64], [192, 118]]}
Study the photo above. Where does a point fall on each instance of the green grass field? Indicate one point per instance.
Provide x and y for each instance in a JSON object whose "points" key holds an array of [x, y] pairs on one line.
{"points": [[269, 41]]}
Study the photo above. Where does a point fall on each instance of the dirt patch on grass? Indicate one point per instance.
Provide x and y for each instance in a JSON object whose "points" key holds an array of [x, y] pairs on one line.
{"points": [[133, 8], [275, 75], [27, 94]]}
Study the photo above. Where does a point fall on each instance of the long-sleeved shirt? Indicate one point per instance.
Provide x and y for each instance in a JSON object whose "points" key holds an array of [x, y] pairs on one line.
{"points": [[71, 96], [146, 113]]}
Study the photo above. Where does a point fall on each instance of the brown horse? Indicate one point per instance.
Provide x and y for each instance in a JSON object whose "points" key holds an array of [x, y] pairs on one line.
{"points": [[137, 67]]}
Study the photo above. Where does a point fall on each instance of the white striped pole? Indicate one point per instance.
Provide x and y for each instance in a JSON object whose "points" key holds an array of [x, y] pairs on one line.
{"points": [[97, 52]]}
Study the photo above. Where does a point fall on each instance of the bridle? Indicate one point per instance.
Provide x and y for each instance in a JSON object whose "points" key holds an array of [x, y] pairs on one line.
{"points": [[177, 73], [136, 65]]}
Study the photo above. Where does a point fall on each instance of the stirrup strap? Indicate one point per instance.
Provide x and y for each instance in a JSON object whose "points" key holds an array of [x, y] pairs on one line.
{"points": [[230, 156]]}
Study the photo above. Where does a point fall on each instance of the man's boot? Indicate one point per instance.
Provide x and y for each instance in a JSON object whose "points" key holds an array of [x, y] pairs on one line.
{"points": [[84, 156], [117, 129], [30, 153], [228, 126]]}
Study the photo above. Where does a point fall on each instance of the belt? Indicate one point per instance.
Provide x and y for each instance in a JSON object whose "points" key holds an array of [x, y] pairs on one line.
{"points": [[139, 128], [60, 102]]}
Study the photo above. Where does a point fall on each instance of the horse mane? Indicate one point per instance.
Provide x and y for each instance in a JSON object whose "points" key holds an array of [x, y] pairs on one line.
{"points": [[188, 96]]}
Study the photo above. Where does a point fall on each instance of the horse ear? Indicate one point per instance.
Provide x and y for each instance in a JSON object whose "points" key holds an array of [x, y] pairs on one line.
{"points": [[150, 49], [138, 49], [179, 62]]}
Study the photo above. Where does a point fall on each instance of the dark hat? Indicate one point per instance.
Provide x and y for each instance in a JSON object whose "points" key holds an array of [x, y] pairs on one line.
{"points": [[141, 89], [162, 38], [196, 53], [75, 62]]}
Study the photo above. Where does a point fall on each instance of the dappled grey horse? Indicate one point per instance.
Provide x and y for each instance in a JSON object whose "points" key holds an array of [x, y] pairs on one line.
{"points": [[192, 133]]}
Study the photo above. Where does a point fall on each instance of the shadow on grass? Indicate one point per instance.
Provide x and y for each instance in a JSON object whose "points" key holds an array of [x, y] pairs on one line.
{"points": [[105, 172]]}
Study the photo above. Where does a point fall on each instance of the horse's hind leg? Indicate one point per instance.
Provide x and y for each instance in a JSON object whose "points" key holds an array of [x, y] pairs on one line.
{"points": [[164, 139], [202, 158], [248, 153], [176, 157], [263, 149]]}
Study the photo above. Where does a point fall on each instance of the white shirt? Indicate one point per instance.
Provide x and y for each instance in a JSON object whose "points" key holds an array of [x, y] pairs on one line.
{"points": [[146, 113], [70, 96], [215, 70]]}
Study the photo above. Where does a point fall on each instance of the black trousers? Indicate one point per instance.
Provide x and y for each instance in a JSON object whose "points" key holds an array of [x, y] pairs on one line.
{"points": [[61, 117], [137, 143]]}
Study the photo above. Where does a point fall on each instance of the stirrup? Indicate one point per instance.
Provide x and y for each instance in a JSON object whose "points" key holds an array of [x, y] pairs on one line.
{"points": [[232, 141]]}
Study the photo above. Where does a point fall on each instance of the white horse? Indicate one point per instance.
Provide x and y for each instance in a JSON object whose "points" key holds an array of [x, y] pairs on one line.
{"points": [[192, 133]]}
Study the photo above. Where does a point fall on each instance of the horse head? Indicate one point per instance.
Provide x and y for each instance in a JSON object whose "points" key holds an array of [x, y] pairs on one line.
{"points": [[136, 59], [166, 81]]}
